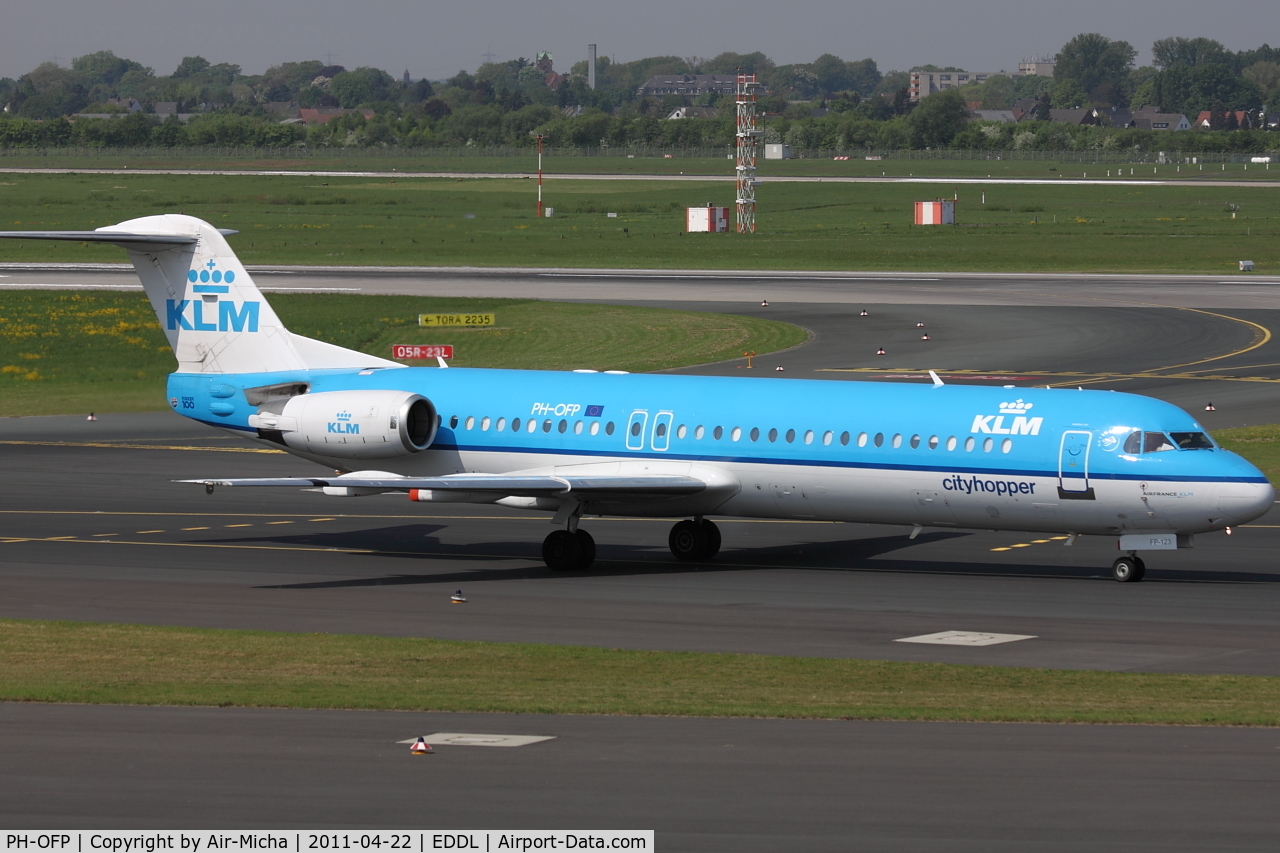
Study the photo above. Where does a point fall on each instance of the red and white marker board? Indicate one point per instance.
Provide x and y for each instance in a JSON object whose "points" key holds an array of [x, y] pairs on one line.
{"points": [[412, 352], [940, 212], [715, 219]]}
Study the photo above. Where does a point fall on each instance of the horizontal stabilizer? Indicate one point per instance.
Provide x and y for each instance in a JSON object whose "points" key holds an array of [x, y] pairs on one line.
{"points": [[129, 240], [582, 488]]}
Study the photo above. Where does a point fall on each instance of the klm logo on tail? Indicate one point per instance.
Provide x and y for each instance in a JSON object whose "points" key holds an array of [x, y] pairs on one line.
{"points": [[189, 314]]}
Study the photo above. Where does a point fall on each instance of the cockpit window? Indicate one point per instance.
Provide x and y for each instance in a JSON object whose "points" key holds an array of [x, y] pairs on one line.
{"points": [[1133, 444], [1192, 441], [1154, 442]]}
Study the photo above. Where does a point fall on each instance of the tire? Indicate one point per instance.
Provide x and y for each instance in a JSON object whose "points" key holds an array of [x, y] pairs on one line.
{"points": [[687, 540], [1127, 570], [586, 549], [1142, 569], [561, 551], [713, 539]]}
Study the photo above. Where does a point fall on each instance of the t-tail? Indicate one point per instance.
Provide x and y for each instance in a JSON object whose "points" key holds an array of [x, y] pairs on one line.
{"points": [[210, 309]]}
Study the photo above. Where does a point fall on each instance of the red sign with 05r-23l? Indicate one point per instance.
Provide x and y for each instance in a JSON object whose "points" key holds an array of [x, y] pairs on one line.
{"points": [[410, 352]]}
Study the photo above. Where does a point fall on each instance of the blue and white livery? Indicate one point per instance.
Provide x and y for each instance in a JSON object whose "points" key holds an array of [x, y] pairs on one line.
{"points": [[584, 443]]}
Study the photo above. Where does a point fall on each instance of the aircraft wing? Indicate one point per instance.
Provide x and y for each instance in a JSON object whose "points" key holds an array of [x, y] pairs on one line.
{"points": [[584, 488]]}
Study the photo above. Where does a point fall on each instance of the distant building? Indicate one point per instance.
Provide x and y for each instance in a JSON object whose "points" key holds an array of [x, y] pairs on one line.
{"points": [[925, 83], [1003, 116], [689, 85], [1079, 116], [1244, 121], [544, 62], [692, 112], [1150, 118], [283, 110], [1037, 66]]}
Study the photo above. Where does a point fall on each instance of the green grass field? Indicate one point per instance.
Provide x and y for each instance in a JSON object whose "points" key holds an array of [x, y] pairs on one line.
{"points": [[79, 352], [922, 164], [485, 222], [133, 664]]}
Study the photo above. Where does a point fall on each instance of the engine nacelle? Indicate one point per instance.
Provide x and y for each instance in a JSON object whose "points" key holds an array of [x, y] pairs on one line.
{"points": [[350, 424]]}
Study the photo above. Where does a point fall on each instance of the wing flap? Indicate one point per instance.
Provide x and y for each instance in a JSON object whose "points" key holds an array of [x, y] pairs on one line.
{"points": [[584, 488]]}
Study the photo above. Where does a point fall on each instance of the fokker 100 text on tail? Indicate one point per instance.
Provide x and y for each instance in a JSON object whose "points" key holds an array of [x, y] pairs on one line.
{"points": [[584, 443]]}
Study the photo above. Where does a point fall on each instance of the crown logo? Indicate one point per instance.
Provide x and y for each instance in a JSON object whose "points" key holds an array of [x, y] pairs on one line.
{"points": [[1017, 407], [342, 416]]}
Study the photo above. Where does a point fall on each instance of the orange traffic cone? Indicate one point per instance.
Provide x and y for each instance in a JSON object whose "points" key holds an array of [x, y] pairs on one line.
{"points": [[420, 748]]}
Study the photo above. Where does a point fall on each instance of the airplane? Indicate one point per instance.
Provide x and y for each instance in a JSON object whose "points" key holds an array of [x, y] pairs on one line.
{"points": [[584, 443]]}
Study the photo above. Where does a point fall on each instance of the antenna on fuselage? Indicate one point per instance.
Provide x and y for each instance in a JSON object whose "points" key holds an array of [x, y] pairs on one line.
{"points": [[937, 381]]}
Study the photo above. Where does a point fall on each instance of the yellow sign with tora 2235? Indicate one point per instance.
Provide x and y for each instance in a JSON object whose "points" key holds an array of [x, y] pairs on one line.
{"points": [[466, 320]]}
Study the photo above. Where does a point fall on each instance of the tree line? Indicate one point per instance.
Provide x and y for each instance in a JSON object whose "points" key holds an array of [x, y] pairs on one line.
{"points": [[829, 103]]}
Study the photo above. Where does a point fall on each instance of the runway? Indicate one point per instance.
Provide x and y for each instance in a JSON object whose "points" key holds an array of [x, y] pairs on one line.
{"points": [[92, 528]]}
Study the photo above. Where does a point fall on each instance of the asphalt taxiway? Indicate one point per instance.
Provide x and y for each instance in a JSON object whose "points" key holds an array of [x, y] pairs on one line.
{"points": [[91, 527]]}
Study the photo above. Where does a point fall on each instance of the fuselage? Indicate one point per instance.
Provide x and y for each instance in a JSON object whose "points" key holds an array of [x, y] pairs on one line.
{"points": [[1090, 462]]}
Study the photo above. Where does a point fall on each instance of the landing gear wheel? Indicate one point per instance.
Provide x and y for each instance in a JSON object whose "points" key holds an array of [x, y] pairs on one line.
{"points": [[1128, 569], [694, 540], [561, 551]]}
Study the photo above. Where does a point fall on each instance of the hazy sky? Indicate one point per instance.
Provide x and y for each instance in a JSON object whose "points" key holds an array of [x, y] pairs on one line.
{"points": [[435, 39]]}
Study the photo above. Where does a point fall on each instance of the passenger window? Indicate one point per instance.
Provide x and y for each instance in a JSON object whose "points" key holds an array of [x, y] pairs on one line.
{"points": [[564, 425], [791, 436], [453, 422], [515, 425], [1154, 442], [897, 440], [471, 421], [862, 439], [773, 435], [681, 431], [987, 444], [546, 425], [635, 428], [1133, 444], [717, 432], [879, 439], [1192, 441], [531, 425], [608, 428], [755, 433], [1006, 445], [827, 437], [933, 442], [699, 432], [577, 427], [660, 430], [484, 424], [736, 434], [915, 442], [951, 443], [595, 427], [808, 437], [969, 443]]}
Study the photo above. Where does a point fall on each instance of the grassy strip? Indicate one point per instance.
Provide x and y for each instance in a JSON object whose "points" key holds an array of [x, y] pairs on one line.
{"points": [[135, 664], [555, 163], [1259, 444], [77, 352], [488, 222]]}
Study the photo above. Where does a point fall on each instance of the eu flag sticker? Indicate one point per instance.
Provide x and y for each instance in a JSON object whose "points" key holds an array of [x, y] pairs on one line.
{"points": [[595, 411]]}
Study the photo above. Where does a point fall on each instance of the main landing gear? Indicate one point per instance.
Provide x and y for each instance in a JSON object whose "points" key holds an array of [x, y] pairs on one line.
{"points": [[575, 550], [1128, 569]]}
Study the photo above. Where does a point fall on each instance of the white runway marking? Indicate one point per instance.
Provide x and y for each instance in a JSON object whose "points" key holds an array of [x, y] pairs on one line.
{"points": [[965, 638], [459, 739]]}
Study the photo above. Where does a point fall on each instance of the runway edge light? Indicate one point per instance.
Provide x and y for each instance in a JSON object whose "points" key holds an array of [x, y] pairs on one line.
{"points": [[420, 747], [457, 598]]}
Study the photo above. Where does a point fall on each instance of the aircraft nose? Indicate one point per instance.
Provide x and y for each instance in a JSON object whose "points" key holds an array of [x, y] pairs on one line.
{"points": [[1241, 502]]}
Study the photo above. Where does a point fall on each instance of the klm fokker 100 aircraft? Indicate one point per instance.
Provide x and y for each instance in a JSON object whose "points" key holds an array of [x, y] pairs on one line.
{"points": [[585, 443]]}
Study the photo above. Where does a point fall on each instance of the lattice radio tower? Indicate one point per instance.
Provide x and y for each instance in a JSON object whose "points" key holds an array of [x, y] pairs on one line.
{"points": [[745, 161]]}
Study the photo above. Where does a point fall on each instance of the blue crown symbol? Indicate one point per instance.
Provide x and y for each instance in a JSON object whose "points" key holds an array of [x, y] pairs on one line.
{"points": [[209, 274]]}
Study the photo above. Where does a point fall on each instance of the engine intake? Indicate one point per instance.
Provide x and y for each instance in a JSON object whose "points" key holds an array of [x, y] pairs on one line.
{"points": [[350, 424]]}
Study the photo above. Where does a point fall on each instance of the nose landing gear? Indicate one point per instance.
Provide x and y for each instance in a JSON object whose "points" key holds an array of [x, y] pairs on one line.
{"points": [[698, 539], [1128, 569]]}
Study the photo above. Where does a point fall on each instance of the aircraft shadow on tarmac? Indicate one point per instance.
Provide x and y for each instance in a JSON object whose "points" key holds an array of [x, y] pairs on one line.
{"points": [[418, 542]]}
